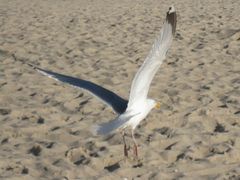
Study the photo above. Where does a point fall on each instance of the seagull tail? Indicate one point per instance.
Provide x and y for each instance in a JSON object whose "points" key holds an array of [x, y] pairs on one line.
{"points": [[106, 128]]}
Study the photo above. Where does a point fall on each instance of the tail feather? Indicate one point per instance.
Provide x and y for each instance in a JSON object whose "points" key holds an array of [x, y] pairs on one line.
{"points": [[113, 125]]}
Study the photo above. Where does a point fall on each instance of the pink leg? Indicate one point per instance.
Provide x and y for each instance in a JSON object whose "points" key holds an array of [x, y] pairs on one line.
{"points": [[135, 148], [125, 150], [135, 151]]}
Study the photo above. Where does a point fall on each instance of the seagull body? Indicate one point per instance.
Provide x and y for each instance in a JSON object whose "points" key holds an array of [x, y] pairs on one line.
{"points": [[139, 105], [131, 117], [132, 112]]}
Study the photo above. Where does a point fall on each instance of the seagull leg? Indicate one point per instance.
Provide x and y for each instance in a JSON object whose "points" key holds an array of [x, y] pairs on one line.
{"points": [[125, 150], [135, 148]]}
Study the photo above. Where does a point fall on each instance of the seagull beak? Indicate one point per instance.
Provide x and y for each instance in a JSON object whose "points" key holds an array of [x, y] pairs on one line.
{"points": [[157, 106]]}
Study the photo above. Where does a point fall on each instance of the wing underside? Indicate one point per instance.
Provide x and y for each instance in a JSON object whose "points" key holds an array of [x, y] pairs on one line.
{"points": [[116, 102]]}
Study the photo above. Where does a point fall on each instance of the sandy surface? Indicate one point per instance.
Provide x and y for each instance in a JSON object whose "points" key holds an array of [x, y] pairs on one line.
{"points": [[44, 131]]}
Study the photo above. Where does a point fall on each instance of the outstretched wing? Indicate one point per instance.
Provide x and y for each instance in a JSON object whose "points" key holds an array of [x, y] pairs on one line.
{"points": [[142, 80], [116, 102]]}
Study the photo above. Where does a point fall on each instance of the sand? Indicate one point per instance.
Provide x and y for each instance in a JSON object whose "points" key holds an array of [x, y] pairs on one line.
{"points": [[45, 125]]}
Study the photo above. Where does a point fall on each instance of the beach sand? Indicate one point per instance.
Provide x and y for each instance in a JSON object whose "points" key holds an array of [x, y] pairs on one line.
{"points": [[45, 125]]}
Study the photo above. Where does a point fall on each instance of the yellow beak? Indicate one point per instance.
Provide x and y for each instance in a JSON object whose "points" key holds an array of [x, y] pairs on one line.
{"points": [[157, 106]]}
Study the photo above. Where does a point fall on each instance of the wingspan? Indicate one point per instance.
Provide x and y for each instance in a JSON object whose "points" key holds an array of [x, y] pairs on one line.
{"points": [[116, 102], [142, 80]]}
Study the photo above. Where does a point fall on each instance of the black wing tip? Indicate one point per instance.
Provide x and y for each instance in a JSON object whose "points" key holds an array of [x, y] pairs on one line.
{"points": [[171, 10], [171, 18], [31, 65], [42, 71], [37, 68], [34, 67]]}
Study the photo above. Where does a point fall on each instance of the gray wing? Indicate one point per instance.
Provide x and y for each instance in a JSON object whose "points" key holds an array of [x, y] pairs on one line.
{"points": [[142, 80], [116, 102]]}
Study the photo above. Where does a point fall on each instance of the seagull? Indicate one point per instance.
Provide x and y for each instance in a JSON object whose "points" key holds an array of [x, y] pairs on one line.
{"points": [[130, 112]]}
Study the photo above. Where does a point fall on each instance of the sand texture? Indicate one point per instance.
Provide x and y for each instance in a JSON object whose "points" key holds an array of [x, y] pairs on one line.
{"points": [[45, 125]]}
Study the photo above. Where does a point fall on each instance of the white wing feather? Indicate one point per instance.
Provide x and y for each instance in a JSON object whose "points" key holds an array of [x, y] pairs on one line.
{"points": [[142, 80]]}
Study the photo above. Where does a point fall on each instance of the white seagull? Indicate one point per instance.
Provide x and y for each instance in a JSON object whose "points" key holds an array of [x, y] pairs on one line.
{"points": [[132, 112]]}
